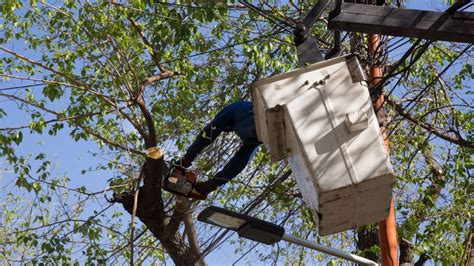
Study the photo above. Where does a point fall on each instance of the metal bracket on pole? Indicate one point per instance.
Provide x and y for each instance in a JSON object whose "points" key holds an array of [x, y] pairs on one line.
{"points": [[306, 45], [315, 13]]}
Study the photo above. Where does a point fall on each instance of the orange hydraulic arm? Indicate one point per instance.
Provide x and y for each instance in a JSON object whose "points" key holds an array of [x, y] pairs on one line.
{"points": [[387, 228]]}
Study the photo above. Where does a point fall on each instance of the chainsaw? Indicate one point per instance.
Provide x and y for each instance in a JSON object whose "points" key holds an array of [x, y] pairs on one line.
{"points": [[179, 180]]}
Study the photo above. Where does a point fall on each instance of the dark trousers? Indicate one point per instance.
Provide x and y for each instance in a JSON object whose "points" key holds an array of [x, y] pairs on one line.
{"points": [[241, 158]]}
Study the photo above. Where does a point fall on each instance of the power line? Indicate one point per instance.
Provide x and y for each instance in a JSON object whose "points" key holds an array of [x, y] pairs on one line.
{"points": [[406, 40], [196, 6], [21, 87], [221, 48], [246, 210], [275, 20], [404, 71], [280, 223], [378, 88], [417, 98]]}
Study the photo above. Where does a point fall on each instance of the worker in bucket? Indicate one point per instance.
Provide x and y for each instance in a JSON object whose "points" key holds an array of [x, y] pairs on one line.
{"points": [[236, 117]]}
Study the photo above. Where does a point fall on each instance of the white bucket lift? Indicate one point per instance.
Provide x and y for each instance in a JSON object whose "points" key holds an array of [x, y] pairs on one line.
{"points": [[321, 119]]}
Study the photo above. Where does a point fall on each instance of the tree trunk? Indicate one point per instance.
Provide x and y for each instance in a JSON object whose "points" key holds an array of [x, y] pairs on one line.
{"points": [[423, 258], [406, 253], [150, 211], [367, 238], [469, 250]]}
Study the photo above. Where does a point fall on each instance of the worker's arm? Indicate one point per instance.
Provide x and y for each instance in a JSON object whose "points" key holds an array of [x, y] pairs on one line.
{"points": [[208, 135]]}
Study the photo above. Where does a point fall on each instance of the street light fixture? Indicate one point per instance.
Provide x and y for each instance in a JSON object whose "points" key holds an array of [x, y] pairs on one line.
{"points": [[267, 233], [245, 226]]}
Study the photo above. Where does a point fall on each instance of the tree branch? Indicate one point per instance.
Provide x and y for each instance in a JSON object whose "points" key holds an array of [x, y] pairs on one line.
{"points": [[192, 237], [61, 119], [181, 209], [39, 80], [153, 52], [111, 143], [430, 128], [37, 105], [153, 79], [135, 124], [105, 98], [150, 141], [91, 132], [127, 84], [79, 84], [74, 81]]}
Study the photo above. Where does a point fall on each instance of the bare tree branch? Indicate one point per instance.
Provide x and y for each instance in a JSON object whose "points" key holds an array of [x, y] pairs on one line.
{"points": [[430, 128], [181, 209], [62, 119], [89, 131], [111, 143], [154, 79], [150, 140], [73, 80], [192, 236], [39, 80]]}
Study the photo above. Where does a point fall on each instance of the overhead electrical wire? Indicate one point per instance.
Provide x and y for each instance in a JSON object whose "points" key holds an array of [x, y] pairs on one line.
{"points": [[246, 210], [420, 94], [281, 223], [197, 7], [275, 20], [22, 87]]}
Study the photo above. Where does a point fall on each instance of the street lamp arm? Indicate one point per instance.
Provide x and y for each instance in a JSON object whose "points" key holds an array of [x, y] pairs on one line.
{"points": [[327, 250]]}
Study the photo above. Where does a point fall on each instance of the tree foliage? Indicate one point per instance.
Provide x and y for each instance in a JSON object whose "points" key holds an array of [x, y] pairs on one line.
{"points": [[129, 76]]}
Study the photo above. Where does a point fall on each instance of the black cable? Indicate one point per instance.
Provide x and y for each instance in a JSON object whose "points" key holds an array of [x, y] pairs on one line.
{"points": [[276, 21], [466, 6], [246, 210], [391, 48], [378, 88], [267, 15], [190, 6], [404, 72], [408, 108], [22, 87], [280, 223], [220, 48]]}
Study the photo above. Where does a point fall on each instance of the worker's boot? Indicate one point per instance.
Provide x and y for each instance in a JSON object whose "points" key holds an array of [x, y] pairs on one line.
{"points": [[206, 187]]}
